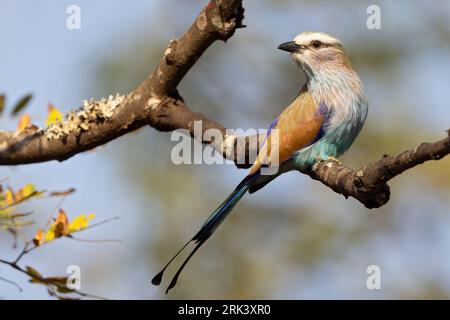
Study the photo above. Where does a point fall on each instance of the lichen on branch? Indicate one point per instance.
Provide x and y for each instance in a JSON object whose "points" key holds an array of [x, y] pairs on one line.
{"points": [[91, 112], [156, 102]]}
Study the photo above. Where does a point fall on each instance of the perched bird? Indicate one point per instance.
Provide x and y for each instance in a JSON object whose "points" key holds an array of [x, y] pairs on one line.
{"points": [[320, 124]]}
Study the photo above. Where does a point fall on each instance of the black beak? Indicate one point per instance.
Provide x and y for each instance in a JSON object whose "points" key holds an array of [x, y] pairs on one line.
{"points": [[290, 46]]}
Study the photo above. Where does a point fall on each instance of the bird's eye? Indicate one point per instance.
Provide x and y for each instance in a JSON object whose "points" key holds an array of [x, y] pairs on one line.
{"points": [[316, 44]]}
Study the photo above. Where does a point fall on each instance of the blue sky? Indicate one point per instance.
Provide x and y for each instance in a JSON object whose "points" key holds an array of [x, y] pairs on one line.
{"points": [[40, 55]]}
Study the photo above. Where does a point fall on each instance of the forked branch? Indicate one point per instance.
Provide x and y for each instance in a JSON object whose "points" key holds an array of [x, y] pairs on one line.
{"points": [[156, 102]]}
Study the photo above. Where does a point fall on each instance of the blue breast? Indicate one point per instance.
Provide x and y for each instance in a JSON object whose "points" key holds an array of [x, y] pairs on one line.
{"points": [[333, 142]]}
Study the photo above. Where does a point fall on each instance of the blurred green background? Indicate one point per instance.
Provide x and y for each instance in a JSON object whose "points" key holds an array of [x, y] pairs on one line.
{"points": [[295, 239]]}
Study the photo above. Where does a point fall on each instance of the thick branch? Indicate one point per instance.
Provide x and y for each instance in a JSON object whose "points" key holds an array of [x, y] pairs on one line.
{"points": [[31, 146], [369, 184], [156, 102]]}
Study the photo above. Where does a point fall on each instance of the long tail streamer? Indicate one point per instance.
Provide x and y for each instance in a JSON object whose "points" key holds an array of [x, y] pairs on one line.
{"points": [[207, 229]]}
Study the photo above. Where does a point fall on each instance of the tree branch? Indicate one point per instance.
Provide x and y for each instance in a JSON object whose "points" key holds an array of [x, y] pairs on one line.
{"points": [[156, 102], [369, 184]]}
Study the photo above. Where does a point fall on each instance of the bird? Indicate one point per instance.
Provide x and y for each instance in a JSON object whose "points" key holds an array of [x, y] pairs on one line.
{"points": [[320, 124]]}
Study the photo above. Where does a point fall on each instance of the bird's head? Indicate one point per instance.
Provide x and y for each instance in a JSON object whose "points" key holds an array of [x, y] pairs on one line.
{"points": [[317, 51]]}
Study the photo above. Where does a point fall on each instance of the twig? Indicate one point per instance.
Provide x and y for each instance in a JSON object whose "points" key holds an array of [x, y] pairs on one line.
{"points": [[156, 102], [12, 282], [43, 280]]}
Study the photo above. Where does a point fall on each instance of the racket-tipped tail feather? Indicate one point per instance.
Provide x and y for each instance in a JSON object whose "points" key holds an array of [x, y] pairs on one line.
{"points": [[207, 229]]}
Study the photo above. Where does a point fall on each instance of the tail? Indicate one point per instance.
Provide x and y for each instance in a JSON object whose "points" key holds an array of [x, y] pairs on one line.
{"points": [[208, 228]]}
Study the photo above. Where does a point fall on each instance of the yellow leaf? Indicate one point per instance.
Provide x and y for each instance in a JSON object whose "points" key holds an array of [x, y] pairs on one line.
{"points": [[6, 212], [49, 235], [54, 115], [28, 190], [9, 198], [80, 222], [6, 199], [22, 194], [24, 121]]}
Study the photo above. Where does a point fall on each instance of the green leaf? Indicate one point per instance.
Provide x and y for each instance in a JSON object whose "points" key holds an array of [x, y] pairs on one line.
{"points": [[22, 104], [2, 103]]}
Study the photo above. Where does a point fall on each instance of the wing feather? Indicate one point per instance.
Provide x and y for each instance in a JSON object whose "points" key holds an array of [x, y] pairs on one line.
{"points": [[298, 126]]}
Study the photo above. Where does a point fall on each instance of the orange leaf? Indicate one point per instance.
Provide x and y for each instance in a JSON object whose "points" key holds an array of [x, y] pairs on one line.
{"points": [[39, 238], [21, 194], [61, 224], [18, 195], [24, 121]]}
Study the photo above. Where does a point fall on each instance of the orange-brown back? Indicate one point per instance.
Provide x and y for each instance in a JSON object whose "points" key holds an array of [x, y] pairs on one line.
{"points": [[297, 127]]}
